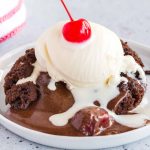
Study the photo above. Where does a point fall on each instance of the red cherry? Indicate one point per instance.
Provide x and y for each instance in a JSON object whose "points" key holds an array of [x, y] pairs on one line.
{"points": [[77, 31]]}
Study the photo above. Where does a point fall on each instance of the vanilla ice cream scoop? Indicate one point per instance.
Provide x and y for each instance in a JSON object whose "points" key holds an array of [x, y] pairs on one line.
{"points": [[80, 64], [91, 69]]}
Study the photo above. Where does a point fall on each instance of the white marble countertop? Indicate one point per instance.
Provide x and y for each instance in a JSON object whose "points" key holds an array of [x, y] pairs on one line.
{"points": [[128, 18]]}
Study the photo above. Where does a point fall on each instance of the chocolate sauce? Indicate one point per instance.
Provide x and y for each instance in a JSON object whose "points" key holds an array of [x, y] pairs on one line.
{"points": [[36, 116]]}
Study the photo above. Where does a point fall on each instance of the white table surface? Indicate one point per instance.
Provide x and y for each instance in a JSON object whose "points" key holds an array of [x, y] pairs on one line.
{"points": [[128, 18]]}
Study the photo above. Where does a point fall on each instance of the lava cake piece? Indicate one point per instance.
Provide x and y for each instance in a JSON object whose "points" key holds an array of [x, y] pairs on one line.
{"points": [[131, 95], [129, 51], [22, 95]]}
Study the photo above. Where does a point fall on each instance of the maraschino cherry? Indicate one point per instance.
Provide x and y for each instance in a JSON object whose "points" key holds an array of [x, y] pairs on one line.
{"points": [[76, 31]]}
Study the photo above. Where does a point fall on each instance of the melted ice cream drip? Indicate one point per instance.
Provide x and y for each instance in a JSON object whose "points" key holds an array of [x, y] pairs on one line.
{"points": [[129, 67], [85, 97], [51, 85], [34, 75], [133, 121]]}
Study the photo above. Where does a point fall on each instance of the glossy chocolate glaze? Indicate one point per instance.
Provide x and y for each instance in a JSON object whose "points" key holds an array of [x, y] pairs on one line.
{"points": [[36, 116]]}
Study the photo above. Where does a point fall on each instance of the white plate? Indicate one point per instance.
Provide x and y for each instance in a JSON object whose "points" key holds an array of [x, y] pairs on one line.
{"points": [[64, 141]]}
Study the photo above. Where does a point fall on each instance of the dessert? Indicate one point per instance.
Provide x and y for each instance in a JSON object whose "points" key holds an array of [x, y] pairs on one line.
{"points": [[12, 18], [79, 80]]}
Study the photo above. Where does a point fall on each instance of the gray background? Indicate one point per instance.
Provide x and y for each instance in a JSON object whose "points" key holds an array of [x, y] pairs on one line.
{"points": [[130, 19]]}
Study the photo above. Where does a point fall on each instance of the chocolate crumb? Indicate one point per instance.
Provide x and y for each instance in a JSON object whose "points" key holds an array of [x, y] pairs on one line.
{"points": [[30, 55], [20, 141], [97, 103], [147, 72], [137, 75], [36, 147], [7, 137]]}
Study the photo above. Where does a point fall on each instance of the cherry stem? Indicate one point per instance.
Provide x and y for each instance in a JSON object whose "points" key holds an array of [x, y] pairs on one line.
{"points": [[67, 10]]}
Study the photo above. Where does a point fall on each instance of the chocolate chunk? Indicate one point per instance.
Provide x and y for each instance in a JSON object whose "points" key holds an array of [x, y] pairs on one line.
{"points": [[21, 96], [129, 51], [43, 79], [137, 75], [130, 97], [91, 121], [30, 55]]}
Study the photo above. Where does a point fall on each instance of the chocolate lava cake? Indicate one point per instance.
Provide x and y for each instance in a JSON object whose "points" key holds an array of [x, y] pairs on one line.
{"points": [[33, 103]]}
